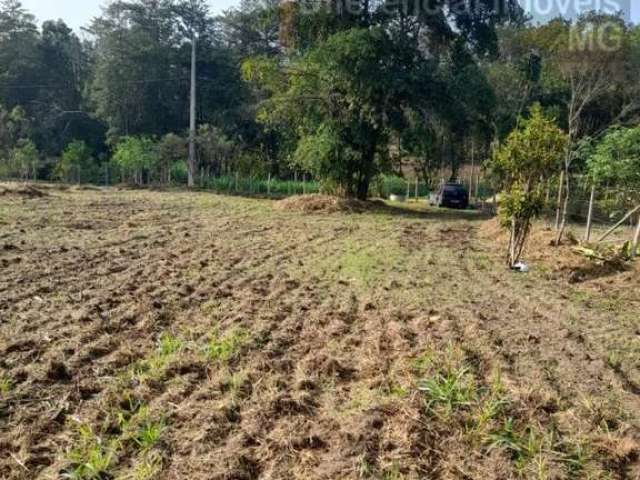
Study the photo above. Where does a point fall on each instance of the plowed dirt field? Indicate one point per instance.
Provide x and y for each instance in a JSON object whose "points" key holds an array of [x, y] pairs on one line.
{"points": [[174, 335]]}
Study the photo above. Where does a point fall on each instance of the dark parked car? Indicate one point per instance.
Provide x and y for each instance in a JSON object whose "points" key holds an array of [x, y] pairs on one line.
{"points": [[450, 195]]}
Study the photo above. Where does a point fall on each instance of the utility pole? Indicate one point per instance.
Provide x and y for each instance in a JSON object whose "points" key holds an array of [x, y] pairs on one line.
{"points": [[192, 115]]}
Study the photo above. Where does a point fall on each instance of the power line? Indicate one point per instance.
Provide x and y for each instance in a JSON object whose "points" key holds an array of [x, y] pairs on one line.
{"points": [[132, 82], [60, 87]]}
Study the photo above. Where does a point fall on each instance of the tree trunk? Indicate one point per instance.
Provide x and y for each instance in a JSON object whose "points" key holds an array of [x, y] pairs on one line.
{"points": [[565, 208], [512, 244], [567, 191], [367, 165], [559, 201]]}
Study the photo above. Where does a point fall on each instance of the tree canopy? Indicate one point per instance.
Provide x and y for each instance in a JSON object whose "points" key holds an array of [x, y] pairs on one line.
{"points": [[343, 92]]}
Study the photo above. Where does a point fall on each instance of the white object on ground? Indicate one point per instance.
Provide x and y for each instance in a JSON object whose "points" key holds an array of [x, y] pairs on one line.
{"points": [[521, 267]]}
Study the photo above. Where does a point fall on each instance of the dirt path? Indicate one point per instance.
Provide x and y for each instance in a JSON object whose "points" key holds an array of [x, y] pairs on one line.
{"points": [[260, 343]]}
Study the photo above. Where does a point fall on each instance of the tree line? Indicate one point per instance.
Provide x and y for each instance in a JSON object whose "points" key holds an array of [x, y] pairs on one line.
{"points": [[339, 91]]}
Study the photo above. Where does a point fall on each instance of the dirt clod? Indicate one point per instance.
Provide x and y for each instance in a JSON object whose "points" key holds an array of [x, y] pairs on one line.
{"points": [[58, 372], [27, 191]]}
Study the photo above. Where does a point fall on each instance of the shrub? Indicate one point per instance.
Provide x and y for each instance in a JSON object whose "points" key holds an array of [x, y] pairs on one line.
{"points": [[76, 163], [531, 154], [136, 157]]}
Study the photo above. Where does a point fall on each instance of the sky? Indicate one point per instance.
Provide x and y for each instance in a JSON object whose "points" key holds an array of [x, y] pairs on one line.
{"points": [[77, 13]]}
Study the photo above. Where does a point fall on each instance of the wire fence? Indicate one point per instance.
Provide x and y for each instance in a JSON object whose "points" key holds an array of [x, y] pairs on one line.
{"points": [[609, 207]]}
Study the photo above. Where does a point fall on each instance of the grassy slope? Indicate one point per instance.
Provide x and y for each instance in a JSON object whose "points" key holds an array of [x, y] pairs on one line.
{"points": [[174, 335]]}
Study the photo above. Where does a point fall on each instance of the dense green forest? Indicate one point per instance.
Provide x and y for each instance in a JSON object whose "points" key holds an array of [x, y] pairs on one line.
{"points": [[339, 92]]}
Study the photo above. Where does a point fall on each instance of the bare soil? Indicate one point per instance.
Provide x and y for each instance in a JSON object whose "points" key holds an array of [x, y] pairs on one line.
{"points": [[265, 343]]}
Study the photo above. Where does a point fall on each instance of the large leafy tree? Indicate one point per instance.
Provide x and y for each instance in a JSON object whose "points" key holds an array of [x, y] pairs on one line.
{"points": [[342, 96], [19, 39], [253, 28], [44, 73], [352, 76], [142, 68], [135, 73], [61, 110]]}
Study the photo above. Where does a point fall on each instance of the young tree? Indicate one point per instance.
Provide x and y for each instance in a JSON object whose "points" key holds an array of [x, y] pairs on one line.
{"points": [[76, 163], [25, 160], [136, 157], [522, 164], [216, 150], [172, 149]]}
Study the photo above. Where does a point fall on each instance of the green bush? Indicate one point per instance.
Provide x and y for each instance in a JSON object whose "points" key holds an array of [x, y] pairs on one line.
{"points": [[76, 164], [522, 165], [136, 157]]}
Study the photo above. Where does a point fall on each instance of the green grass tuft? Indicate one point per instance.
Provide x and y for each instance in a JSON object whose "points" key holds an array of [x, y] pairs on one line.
{"points": [[153, 367], [91, 458], [448, 391], [169, 345], [5, 385], [149, 434], [225, 348]]}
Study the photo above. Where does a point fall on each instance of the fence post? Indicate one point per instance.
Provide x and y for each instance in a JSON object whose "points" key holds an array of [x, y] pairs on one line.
{"points": [[417, 188], [587, 233], [269, 184], [617, 225], [559, 204], [408, 189], [636, 240], [236, 182]]}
